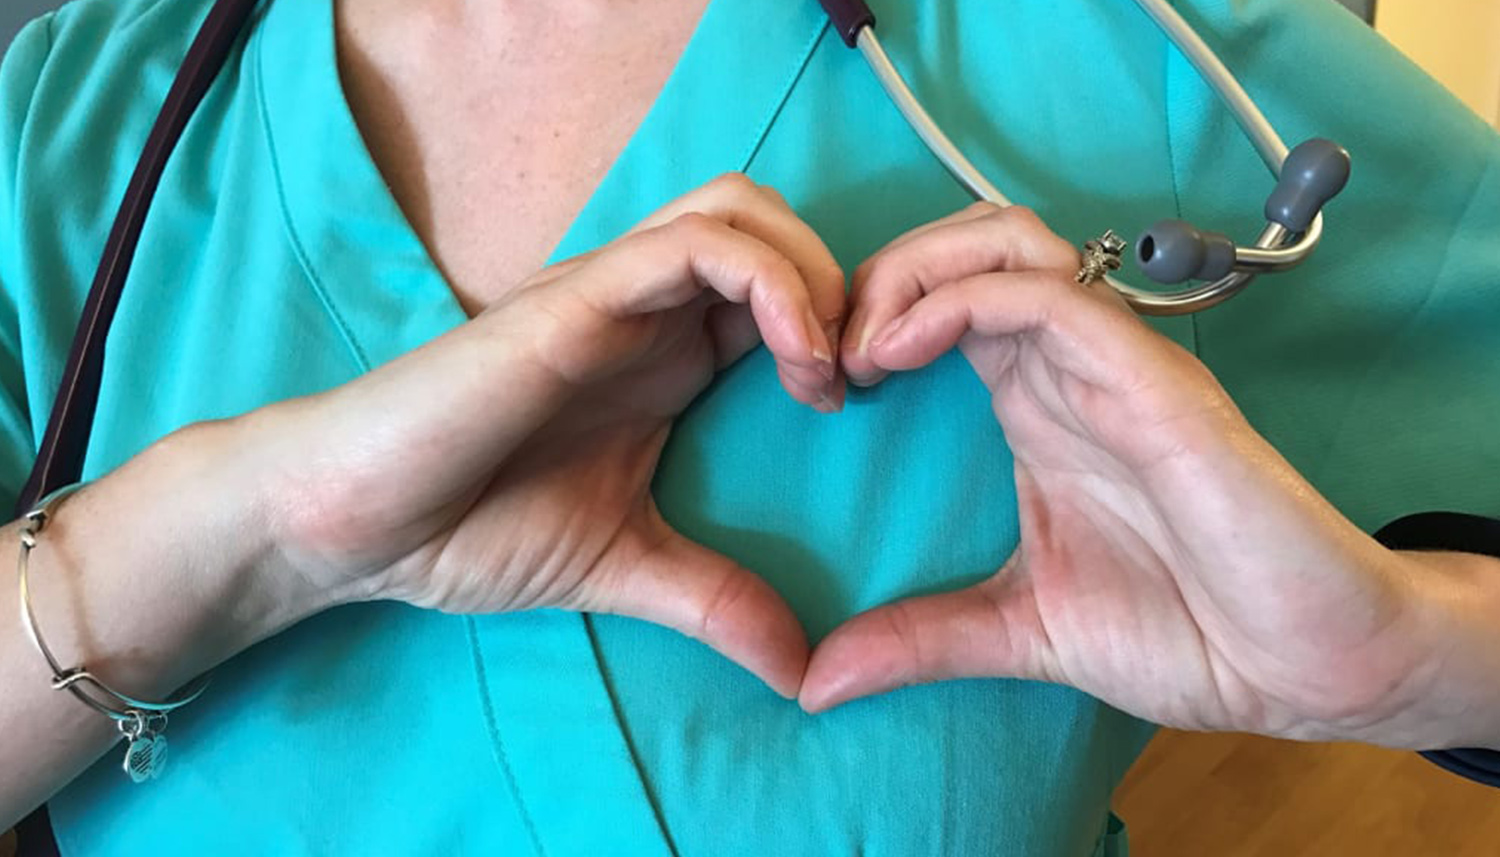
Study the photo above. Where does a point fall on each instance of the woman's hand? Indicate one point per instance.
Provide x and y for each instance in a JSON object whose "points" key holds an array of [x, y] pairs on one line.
{"points": [[1171, 563], [508, 464], [505, 465]]}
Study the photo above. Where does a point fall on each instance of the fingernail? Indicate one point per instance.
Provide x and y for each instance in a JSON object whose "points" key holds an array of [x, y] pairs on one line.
{"points": [[827, 405], [888, 332], [815, 335], [821, 344], [851, 338]]}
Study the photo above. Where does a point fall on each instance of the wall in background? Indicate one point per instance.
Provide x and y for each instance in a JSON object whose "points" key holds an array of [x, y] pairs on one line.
{"points": [[1456, 41], [1363, 8]]}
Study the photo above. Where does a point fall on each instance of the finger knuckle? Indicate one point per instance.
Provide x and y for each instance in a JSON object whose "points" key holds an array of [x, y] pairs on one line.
{"points": [[1022, 216], [770, 192], [777, 269], [903, 628], [734, 183], [878, 266], [830, 277], [722, 605], [690, 226]]}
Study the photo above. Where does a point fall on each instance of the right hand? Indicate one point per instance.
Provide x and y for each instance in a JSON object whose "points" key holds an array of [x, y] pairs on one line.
{"points": [[507, 465], [1171, 563]]}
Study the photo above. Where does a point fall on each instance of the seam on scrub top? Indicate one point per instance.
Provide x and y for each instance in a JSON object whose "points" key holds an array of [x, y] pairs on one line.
{"points": [[786, 93], [486, 704], [1166, 97], [1442, 270], [619, 714], [298, 250]]}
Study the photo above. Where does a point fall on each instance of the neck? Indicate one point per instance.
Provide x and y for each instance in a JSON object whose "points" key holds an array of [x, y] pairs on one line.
{"points": [[503, 20]]}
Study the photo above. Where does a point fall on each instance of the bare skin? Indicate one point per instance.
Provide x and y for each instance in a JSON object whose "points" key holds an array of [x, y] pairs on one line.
{"points": [[494, 122]]}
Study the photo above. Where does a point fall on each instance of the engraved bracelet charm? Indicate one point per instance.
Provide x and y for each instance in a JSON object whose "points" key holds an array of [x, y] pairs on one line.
{"points": [[146, 752]]}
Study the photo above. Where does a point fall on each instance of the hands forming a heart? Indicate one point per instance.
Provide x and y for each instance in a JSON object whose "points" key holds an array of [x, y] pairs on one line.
{"points": [[1171, 563]]}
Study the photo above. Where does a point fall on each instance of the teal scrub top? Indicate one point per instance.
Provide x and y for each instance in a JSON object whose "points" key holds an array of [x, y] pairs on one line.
{"points": [[275, 263]]}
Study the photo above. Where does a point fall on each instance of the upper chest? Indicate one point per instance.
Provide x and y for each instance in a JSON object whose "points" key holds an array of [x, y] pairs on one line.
{"points": [[494, 134]]}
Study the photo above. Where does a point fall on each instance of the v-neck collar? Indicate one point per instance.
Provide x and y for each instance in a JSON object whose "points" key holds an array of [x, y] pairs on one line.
{"points": [[369, 267], [378, 283]]}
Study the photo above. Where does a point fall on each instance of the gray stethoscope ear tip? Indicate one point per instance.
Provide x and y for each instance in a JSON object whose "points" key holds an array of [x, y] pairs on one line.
{"points": [[1313, 173], [1174, 251]]}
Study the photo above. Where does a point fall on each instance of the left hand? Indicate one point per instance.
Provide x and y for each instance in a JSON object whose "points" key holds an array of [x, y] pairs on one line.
{"points": [[1171, 562], [507, 464]]}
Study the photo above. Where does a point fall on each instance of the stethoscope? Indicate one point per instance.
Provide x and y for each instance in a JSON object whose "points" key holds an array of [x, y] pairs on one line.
{"points": [[1172, 251]]}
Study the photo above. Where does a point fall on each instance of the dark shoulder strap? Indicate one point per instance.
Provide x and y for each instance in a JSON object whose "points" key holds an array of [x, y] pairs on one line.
{"points": [[60, 461]]}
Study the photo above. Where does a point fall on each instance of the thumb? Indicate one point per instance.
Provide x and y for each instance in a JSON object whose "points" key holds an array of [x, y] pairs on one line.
{"points": [[682, 585], [992, 629]]}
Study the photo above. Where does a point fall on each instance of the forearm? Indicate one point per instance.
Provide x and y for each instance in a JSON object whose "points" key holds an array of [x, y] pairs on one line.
{"points": [[1454, 601], [149, 576]]}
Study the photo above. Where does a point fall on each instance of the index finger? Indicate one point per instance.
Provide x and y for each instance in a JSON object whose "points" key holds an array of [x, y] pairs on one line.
{"points": [[980, 239], [760, 211]]}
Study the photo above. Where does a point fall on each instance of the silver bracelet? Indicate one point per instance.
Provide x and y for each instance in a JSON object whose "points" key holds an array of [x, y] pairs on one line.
{"points": [[142, 723]]}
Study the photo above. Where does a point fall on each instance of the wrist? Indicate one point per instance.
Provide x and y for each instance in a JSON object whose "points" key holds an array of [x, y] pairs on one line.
{"points": [[167, 566], [232, 469], [1451, 601]]}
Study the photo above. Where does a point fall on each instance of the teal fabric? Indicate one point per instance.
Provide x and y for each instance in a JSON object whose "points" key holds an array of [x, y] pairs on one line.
{"points": [[275, 264]]}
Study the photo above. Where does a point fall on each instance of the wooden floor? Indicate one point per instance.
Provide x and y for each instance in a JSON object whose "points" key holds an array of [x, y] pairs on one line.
{"points": [[1195, 795]]}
